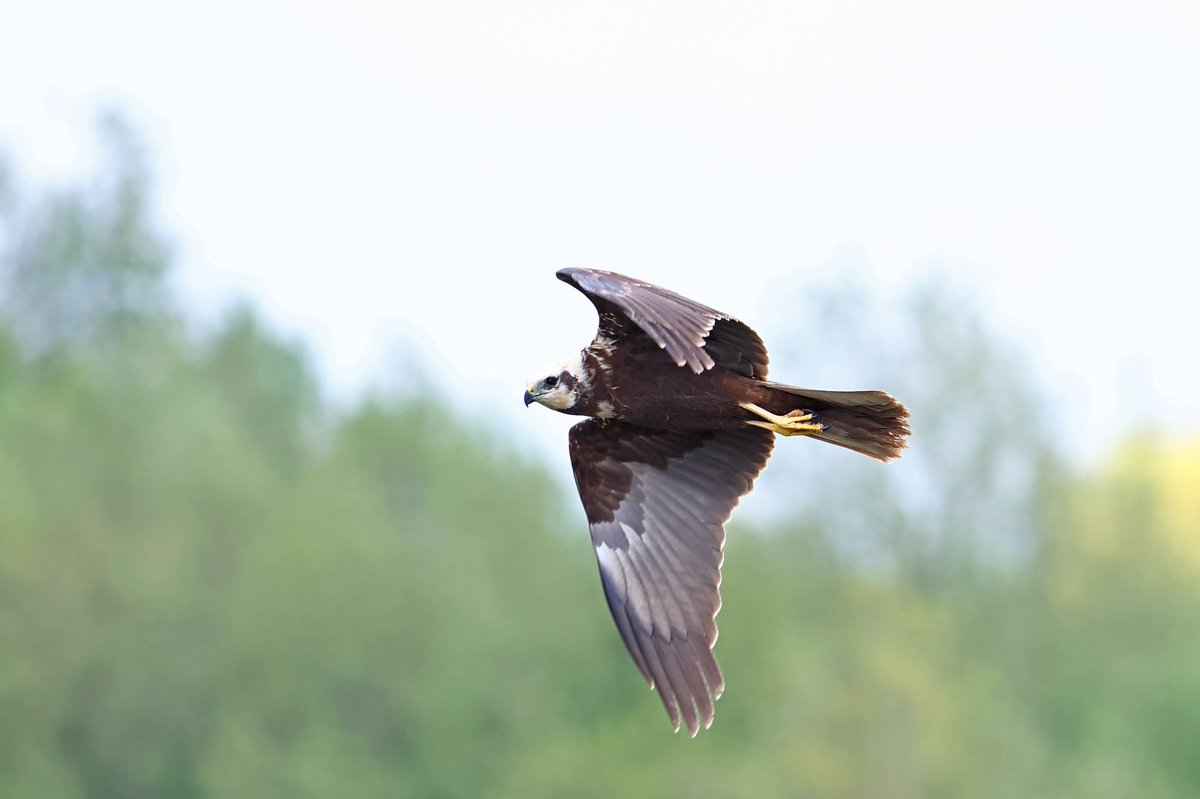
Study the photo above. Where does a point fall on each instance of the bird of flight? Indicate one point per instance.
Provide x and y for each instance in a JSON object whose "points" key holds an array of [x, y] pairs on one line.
{"points": [[683, 419]]}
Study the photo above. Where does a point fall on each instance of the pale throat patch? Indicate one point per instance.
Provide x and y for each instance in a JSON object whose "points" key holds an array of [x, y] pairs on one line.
{"points": [[560, 398]]}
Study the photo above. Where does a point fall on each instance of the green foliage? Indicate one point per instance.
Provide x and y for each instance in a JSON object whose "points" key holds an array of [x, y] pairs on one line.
{"points": [[80, 265], [211, 584]]}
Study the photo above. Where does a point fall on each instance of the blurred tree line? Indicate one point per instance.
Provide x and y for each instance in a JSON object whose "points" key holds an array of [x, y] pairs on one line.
{"points": [[213, 584]]}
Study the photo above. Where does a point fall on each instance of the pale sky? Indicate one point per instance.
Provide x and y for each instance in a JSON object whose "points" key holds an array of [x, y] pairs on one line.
{"points": [[377, 173]]}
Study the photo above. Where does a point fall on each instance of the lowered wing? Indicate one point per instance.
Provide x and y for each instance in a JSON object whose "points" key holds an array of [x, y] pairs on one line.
{"points": [[656, 503]]}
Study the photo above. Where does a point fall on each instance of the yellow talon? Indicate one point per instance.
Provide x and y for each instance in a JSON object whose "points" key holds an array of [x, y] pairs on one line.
{"points": [[795, 423]]}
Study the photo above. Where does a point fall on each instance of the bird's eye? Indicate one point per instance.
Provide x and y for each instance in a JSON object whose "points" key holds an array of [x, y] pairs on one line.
{"points": [[550, 382]]}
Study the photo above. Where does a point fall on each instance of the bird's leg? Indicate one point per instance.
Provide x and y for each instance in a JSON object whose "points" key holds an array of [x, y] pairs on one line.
{"points": [[796, 423]]}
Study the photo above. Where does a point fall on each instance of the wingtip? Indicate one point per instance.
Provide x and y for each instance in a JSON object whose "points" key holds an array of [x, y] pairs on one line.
{"points": [[693, 728]]}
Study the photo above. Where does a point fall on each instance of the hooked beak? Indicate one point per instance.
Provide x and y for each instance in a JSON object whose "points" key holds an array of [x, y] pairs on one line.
{"points": [[528, 399]]}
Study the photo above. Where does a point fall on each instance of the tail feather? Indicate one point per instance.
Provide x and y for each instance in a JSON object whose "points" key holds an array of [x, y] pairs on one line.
{"points": [[871, 422]]}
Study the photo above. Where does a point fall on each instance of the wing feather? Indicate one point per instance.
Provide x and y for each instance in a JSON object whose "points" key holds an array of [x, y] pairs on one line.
{"points": [[620, 614], [694, 335], [656, 503]]}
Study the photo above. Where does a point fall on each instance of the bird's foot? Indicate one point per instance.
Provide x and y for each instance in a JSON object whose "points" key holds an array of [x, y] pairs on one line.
{"points": [[795, 423]]}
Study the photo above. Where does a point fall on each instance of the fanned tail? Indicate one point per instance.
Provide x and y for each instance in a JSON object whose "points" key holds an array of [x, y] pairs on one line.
{"points": [[871, 422]]}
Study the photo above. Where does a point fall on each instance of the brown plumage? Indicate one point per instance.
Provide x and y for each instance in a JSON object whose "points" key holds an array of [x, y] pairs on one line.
{"points": [[683, 420]]}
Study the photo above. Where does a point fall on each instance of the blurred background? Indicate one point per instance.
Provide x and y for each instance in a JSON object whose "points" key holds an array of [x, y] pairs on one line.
{"points": [[274, 522]]}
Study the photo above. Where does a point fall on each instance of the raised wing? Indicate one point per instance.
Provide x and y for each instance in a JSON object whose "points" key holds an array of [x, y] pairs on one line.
{"points": [[694, 335], [656, 503]]}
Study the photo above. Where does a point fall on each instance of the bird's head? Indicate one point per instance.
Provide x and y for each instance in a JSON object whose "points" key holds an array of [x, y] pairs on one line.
{"points": [[558, 387]]}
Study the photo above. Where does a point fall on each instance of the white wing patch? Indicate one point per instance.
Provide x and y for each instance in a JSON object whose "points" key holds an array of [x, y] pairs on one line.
{"points": [[610, 564]]}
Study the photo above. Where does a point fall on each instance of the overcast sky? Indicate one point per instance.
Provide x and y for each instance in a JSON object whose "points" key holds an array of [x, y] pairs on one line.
{"points": [[373, 173]]}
